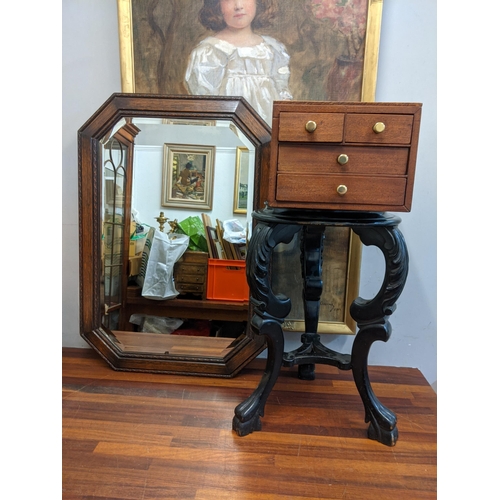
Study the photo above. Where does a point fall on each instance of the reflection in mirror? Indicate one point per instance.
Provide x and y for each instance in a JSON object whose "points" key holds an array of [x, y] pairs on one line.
{"points": [[114, 155], [160, 151], [150, 162], [114, 168], [241, 180]]}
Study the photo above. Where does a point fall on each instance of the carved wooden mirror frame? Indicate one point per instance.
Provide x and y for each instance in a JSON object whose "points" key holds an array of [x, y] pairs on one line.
{"points": [[126, 106]]}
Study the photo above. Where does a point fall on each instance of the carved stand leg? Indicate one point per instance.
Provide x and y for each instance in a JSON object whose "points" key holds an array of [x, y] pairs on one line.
{"points": [[312, 260], [372, 319], [269, 313], [312, 350]]}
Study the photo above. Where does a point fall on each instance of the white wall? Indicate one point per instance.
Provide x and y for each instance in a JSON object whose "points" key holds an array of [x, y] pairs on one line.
{"points": [[407, 73]]}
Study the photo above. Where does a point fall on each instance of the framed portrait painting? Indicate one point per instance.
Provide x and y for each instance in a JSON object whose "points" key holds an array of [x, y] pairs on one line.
{"points": [[332, 45], [188, 173]]}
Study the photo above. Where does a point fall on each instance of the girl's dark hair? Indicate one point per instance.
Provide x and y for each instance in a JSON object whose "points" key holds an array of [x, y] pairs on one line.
{"points": [[210, 15]]}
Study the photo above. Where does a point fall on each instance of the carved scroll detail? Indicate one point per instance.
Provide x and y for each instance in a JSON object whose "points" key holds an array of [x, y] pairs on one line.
{"points": [[392, 244], [264, 239]]}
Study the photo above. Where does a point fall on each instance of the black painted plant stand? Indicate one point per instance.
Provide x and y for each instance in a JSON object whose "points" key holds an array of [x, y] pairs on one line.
{"points": [[276, 226]]}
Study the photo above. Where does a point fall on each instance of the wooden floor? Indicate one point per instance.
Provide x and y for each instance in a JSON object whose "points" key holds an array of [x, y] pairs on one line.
{"points": [[145, 436]]}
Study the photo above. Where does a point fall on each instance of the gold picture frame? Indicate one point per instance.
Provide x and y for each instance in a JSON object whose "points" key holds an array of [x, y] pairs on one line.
{"points": [[241, 180], [188, 176], [319, 45], [341, 258]]}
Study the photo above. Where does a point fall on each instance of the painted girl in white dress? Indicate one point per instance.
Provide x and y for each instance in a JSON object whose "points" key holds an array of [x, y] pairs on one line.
{"points": [[235, 61]]}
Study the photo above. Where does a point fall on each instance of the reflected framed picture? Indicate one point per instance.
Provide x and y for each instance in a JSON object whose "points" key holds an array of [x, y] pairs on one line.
{"points": [[241, 180], [188, 176], [181, 121]]}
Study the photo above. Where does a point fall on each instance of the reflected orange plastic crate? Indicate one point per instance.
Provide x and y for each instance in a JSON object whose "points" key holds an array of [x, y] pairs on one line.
{"points": [[227, 280]]}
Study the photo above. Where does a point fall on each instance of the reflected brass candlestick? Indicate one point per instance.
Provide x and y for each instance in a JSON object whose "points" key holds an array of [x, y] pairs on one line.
{"points": [[161, 220]]}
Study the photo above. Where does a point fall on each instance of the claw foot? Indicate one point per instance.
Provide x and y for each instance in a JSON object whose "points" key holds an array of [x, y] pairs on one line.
{"points": [[384, 436], [245, 428]]}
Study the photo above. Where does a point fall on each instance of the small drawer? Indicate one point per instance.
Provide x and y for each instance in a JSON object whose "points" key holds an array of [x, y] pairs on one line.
{"points": [[191, 268], [189, 278], [322, 189], [189, 288], [393, 129], [329, 127], [189, 256], [346, 159]]}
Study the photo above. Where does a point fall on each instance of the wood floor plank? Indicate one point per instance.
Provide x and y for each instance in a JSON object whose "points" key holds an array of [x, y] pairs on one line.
{"points": [[148, 436]]}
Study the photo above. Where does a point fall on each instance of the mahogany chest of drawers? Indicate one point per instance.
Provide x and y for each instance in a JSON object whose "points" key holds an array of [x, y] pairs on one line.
{"points": [[343, 156]]}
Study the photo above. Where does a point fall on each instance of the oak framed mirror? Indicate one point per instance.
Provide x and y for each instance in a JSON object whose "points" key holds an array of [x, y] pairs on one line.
{"points": [[121, 155]]}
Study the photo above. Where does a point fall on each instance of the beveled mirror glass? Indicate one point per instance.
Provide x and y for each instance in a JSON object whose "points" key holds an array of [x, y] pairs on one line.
{"points": [[124, 149]]}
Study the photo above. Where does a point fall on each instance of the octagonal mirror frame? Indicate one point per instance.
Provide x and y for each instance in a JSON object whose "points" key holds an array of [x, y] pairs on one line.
{"points": [[90, 135]]}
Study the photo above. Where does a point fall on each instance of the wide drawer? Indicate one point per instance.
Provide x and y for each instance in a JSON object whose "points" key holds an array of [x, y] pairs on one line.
{"points": [[329, 127], [324, 159], [182, 268], [322, 189], [189, 278], [189, 288], [394, 129], [191, 257]]}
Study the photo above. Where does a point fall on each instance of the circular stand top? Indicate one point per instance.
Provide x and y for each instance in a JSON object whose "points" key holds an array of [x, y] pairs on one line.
{"points": [[325, 217]]}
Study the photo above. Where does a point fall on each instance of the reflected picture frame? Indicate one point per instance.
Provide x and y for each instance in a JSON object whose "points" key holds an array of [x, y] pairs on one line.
{"points": [[188, 176], [181, 121], [241, 180]]}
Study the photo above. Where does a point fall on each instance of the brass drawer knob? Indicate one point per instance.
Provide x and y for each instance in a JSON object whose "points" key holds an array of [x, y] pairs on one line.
{"points": [[311, 126], [342, 190], [342, 159], [379, 127]]}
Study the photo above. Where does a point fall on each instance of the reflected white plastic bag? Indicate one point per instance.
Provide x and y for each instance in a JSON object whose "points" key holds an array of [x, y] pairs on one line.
{"points": [[160, 253], [234, 232], [155, 324]]}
